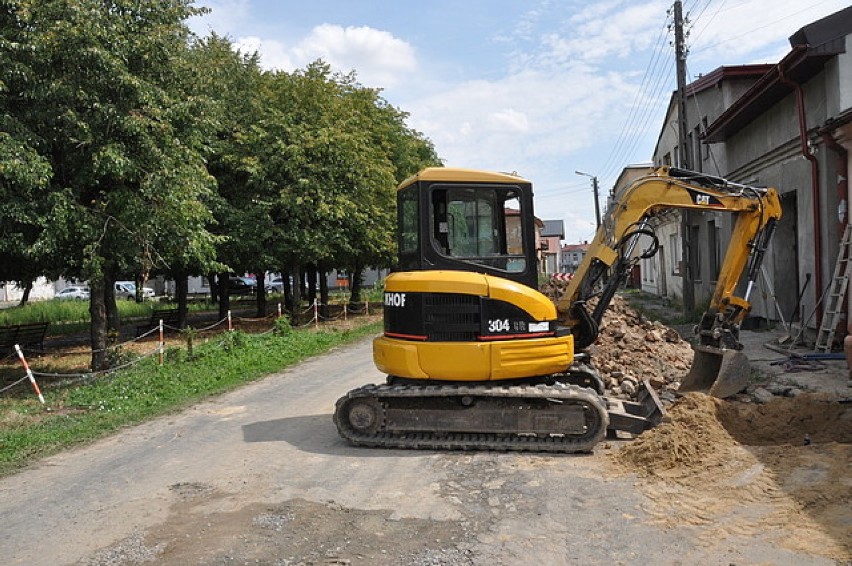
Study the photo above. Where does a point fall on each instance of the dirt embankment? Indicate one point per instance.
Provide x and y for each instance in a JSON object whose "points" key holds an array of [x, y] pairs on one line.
{"points": [[714, 462], [633, 348], [778, 470]]}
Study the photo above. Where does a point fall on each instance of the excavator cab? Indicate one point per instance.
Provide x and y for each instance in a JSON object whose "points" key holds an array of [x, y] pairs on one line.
{"points": [[467, 221]]}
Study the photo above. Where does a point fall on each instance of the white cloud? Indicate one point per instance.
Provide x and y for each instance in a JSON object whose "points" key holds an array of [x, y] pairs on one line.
{"points": [[560, 100], [524, 119], [379, 58], [222, 15], [510, 120], [273, 54], [748, 32]]}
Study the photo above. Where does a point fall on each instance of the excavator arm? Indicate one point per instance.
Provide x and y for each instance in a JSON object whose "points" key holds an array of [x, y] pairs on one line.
{"points": [[613, 252]]}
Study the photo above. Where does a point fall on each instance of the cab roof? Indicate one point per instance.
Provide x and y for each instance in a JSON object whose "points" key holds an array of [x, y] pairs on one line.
{"points": [[448, 174]]}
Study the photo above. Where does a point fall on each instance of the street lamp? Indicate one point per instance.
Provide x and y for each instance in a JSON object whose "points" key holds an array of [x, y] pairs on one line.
{"points": [[595, 189]]}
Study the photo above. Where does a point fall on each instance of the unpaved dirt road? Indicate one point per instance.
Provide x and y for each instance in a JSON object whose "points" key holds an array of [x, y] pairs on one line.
{"points": [[260, 476]]}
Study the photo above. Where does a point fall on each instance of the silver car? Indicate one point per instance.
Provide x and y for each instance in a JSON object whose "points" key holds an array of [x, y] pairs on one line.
{"points": [[75, 292]]}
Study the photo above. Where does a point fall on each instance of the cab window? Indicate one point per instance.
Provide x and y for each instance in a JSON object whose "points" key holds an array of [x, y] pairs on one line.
{"points": [[480, 225]]}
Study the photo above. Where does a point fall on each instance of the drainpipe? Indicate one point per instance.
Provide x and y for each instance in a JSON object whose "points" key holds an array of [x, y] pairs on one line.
{"points": [[806, 152]]}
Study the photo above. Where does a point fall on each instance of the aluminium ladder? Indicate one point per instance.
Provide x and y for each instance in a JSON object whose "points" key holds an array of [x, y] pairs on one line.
{"points": [[834, 310]]}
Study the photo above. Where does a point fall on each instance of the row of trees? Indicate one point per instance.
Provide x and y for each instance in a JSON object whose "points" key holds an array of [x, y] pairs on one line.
{"points": [[129, 146]]}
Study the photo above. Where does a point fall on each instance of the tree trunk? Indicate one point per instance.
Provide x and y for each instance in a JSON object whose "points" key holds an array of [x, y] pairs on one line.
{"points": [[182, 292], [26, 296], [98, 327], [287, 289], [214, 288], [113, 322], [297, 289], [139, 284], [260, 279], [323, 281], [311, 272], [224, 295], [357, 280]]}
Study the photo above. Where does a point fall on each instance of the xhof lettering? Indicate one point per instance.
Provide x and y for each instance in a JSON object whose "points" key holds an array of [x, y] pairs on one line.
{"points": [[394, 299]]}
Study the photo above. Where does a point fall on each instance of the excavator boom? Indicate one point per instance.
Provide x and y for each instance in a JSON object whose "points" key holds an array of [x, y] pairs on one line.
{"points": [[718, 367]]}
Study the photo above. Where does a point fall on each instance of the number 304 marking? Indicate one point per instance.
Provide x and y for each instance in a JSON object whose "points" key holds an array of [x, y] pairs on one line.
{"points": [[499, 325]]}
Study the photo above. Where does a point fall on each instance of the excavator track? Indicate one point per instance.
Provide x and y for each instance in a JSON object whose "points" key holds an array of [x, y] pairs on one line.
{"points": [[541, 418]]}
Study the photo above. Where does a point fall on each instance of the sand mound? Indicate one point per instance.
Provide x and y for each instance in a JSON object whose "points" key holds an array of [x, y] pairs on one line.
{"points": [[779, 469], [691, 435]]}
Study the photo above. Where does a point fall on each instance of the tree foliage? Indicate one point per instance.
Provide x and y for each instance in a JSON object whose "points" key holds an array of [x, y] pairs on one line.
{"points": [[102, 96], [129, 147]]}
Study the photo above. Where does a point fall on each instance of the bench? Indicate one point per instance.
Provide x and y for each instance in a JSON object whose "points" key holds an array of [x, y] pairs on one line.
{"points": [[24, 335], [168, 316]]}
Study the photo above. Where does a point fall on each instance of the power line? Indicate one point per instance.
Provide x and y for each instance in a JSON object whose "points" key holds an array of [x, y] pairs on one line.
{"points": [[766, 25], [651, 75]]}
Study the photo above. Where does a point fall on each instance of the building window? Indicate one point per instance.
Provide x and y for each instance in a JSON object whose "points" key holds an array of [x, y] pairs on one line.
{"points": [[714, 249], [674, 246], [695, 252], [696, 161]]}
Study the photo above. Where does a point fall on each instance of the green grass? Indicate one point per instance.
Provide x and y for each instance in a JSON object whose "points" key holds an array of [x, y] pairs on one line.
{"points": [[56, 311], [146, 390]]}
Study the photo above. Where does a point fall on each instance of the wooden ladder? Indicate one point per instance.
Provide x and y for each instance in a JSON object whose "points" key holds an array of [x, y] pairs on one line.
{"points": [[834, 310]]}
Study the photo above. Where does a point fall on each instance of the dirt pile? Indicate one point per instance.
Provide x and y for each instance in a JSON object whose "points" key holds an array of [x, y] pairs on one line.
{"points": [[691, 436], [790, 456]]}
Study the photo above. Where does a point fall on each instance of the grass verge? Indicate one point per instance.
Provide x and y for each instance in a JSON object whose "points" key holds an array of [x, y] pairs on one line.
{"points": [[93, 410]]}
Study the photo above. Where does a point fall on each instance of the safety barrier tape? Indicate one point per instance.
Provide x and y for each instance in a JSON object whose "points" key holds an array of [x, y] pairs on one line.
{"points": [[92, 374], [11, 385]]}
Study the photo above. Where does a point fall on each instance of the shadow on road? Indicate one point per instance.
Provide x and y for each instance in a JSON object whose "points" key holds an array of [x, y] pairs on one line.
{"points": [[316, 434]]}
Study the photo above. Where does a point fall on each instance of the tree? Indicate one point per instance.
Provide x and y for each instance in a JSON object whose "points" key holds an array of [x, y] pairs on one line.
{"points": [[241, 209], [24, 173], [327, 148], [124, 138]]}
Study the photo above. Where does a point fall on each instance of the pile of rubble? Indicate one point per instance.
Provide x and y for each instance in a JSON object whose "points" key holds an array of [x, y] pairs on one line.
{"points": [[631, 348]]}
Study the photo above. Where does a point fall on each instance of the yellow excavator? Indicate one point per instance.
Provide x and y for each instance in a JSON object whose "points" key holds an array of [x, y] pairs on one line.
{"points": [[477, 358]]}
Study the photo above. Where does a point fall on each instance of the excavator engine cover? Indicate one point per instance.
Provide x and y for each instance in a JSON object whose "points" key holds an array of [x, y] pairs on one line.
{"points": [[717, 372]]}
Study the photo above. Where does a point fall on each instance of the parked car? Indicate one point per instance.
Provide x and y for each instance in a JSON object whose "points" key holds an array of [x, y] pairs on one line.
{"points": [[75, 292], [275, 286], [127, 290], [238, 285]]}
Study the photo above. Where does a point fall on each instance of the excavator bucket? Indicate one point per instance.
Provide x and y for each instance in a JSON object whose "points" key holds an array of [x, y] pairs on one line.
{"points": [[717, 372]]}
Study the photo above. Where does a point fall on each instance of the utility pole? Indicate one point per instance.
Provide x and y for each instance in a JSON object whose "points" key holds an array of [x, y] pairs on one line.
{"points": [[595, 190], [683, 144]]}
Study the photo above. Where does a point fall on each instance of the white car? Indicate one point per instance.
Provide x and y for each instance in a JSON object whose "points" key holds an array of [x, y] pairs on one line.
{"points": [[127, 290], [74, 292]]}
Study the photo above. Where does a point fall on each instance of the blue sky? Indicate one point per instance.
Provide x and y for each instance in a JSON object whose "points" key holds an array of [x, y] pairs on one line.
{"points": [[539, 87]]}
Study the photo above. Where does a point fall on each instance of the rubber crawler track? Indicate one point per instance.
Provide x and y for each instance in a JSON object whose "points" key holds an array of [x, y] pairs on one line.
{"points": [[448, 440]]}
